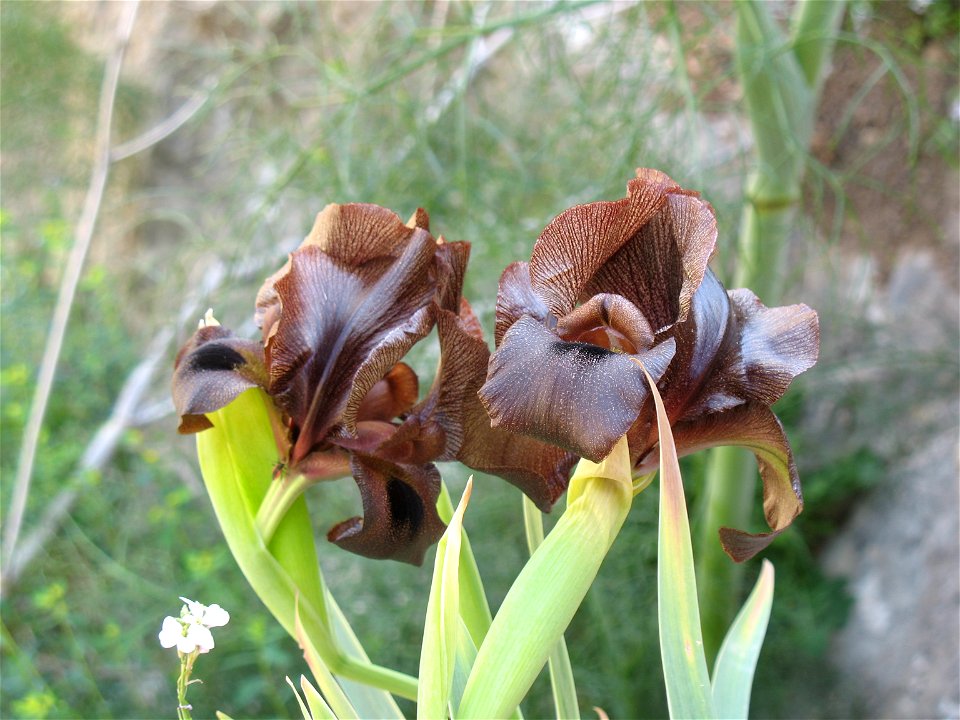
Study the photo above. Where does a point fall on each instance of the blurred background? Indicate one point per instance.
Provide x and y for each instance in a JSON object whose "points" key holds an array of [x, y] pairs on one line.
{"points": [[234, 123]]}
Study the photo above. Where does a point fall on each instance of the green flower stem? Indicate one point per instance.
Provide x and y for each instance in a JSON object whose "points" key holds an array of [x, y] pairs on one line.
{"points": [[183, 682], [561, 672], [729, 499], [550, 588], [474, 608], [236, 457], [781, 77], [281, 495]]}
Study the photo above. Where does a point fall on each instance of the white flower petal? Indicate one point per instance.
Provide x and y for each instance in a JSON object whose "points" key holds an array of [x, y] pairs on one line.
{"points": [[201, 637], [187, 644], [171, 632], [215, 616]]}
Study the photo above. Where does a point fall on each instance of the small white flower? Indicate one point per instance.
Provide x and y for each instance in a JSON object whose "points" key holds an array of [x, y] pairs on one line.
{"points": [[210, 615], [191, 631]]}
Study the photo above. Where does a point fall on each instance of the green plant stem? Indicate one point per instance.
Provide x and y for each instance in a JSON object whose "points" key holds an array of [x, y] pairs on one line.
{"points": [[183, 682], [729, 497], [474, 608], [781, 79], [544, 597], [813, 32], [281, 495], [561, 672]]}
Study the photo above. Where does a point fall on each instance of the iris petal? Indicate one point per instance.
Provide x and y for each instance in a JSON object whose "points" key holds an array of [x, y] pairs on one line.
{"points": [[755, 427], [579, 241], [661, 265], [342, 327], [400, 519], [516, 298], [210, 371], [575, 395]]}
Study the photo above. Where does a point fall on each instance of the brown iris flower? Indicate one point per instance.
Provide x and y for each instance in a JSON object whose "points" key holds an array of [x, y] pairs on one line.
{"points": [[612, 283], [336, 321]]}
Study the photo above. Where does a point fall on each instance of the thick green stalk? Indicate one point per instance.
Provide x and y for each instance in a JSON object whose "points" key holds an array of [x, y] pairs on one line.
{"points": [[561, 671], [550, 588], [781, 77]]}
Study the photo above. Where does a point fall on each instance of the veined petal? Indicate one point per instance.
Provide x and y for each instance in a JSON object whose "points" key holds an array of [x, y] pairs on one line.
{"points": [[755, 427], [700, 340], [579, 241], [384, 355], [400, 518], [339, 319], [575, 395], [210, 371], [452, 260], [395, 393], [775, 345], [357, 233], [660, 265]]}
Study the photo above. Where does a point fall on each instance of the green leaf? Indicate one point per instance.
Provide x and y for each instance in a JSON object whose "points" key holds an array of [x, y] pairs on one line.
{"points": [[438, 655], [737, 660], [303, 708], [561, 673], [544, 597], [343, 706], [237, 456], [681, 644], [369, 702], [462, 665], [319, 710]]}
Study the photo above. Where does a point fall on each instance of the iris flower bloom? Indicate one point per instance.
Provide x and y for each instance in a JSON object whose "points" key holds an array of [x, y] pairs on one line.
{"points": [[335, 321], [612, 283]]}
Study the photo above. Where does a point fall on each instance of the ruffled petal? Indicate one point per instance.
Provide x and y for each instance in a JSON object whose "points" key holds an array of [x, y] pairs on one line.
{"points": [[772, 347], [400, 519], [700, 340], [358, 233], [343, 327], [755, 427], [579, 241], [660, 265], [578, 396], [211, 369], [452, 260]]}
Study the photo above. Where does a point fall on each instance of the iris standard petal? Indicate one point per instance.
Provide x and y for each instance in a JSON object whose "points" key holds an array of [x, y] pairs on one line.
{"points": [[400, 518], [335, 318], [358, 233], [581, 240], [755, 427], [660, 266], [575, 395], [210, 371]]}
